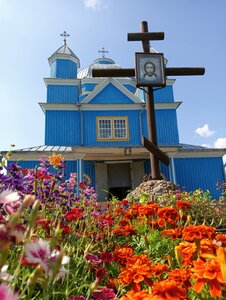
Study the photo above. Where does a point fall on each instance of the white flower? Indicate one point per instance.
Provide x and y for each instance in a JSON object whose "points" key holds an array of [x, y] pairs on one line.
{"points": [[38, 253], [8, 196], [4, 275]]}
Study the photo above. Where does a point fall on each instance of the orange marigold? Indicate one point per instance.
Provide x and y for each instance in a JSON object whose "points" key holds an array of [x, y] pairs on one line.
{"points": [[208, 272], [148, 210], [55, 159], [207, 248], [137, 270], [172, 233], [121, 255], [221, 238], [181, 204], [142, 295], [192, 232], [168, 213], [168, 290], [125, 230], [185, 251], [182, 276]]}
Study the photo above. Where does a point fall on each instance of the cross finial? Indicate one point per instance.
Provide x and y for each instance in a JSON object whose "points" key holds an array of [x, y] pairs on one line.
{"points": [[65, 35], [103, 51]]}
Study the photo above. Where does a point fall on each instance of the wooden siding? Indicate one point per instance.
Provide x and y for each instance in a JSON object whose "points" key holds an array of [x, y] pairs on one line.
{"points": [[88, 86], [160, 95], [63, 128], [63, 68], [62, 94], [90, 136], [163, 169], [166, 125], [111, 95], [203, 173]]}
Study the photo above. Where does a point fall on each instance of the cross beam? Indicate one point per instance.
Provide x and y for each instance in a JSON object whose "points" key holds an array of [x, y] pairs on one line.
{"points": [[151, 143], [131, 72]]}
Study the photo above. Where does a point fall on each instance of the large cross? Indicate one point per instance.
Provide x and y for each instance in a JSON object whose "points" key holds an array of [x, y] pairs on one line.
{"points": [[150, 144], [103, 51], [65, 35]]}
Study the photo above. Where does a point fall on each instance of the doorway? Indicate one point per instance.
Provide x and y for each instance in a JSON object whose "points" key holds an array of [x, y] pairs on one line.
{"points": [[119, 179]]}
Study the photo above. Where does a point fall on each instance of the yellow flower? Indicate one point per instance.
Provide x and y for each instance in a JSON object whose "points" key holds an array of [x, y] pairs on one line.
{"points": [[55, 159]]}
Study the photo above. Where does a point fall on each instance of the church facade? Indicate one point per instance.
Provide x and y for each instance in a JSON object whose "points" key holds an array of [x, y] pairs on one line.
{"points": [[97, 124]]}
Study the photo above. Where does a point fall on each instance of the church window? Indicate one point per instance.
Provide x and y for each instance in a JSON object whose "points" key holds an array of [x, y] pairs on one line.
{"points": [[112, 128]]}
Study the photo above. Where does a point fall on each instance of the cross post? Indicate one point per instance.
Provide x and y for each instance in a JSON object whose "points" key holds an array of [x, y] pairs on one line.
{"points": [[151, 143]]}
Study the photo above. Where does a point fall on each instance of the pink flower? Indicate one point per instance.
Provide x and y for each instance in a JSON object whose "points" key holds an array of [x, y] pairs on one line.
{"points": [[104, 294], [6, 293], [93, 259]]}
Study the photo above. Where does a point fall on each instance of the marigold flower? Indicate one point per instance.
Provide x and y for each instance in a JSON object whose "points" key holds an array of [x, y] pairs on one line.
{"points": [[142, 295], [192, 232], [208, 272], [186, 251], [181, 204], [55, 159], [121, 255], [182, 276], [168, 290], [125, 230], [168, 213], [137, 270], [172, 233], [221, 238], [148, 210]]}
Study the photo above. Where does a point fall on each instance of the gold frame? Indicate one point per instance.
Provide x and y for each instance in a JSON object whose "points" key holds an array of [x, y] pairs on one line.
{"points": [[112, 118]]}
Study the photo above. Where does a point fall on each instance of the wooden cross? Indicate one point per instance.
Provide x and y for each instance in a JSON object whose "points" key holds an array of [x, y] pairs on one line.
{"points": [[103, 51], [151, 143]]}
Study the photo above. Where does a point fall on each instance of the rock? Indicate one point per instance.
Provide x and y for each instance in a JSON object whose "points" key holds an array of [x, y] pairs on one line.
{"points": [[151, 190]]}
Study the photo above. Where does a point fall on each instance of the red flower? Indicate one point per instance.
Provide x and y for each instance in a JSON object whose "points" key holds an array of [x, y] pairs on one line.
{"points": [[74, 214], [172, 233], [183, 204]]}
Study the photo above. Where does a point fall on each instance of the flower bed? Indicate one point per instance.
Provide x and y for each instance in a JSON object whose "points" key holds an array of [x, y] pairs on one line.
{"points": [[59, 242]]}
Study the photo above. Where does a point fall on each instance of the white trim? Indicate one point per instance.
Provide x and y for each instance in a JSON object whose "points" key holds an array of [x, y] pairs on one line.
{"points": [[61, 81], [119, 86], [63, 56], [200, 153], [93, 107], [173, 171]]}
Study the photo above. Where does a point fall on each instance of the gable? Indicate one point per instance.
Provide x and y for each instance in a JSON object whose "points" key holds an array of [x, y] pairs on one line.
{"points": [[110, 91], [110, 94]]}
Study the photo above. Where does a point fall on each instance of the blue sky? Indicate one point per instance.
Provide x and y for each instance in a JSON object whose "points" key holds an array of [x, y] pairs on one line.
{"points": [[194, 36]]}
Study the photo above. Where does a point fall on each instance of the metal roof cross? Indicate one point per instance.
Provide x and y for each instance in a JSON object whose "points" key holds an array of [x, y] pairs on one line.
{"points": [[103, 51], [65, 35]]}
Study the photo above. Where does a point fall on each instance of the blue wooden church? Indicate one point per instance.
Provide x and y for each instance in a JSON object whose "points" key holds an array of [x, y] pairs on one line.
{"points": [[97, 125]]}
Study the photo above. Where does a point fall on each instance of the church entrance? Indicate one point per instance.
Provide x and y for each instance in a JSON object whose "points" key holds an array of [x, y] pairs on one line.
{"points": [[119, 179]]}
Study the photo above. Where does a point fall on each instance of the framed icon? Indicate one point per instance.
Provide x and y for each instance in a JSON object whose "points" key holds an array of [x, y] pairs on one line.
{"points": [[150, 69]]}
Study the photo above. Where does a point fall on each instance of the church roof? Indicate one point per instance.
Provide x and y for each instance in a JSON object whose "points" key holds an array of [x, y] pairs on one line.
{"points": [[99, 63], [64, 51]]}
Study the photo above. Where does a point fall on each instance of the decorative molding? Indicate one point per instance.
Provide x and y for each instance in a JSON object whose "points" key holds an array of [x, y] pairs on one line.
{"points": [[61, 81]]}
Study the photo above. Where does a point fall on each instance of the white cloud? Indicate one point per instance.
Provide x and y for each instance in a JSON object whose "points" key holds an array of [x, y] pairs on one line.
{"points": [[206, 145], [94, 4], [204, 131], [220, 143]]}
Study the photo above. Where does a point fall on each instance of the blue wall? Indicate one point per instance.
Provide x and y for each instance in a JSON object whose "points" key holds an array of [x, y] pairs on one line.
{"points": [[62, 128], [111, 95], [166, 125], [160, 95], [62, 94], [63, 68], [90, 138], [203, 173]]}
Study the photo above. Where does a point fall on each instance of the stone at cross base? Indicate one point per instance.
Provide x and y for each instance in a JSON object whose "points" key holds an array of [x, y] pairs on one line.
{"points": [[152, 188]]}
